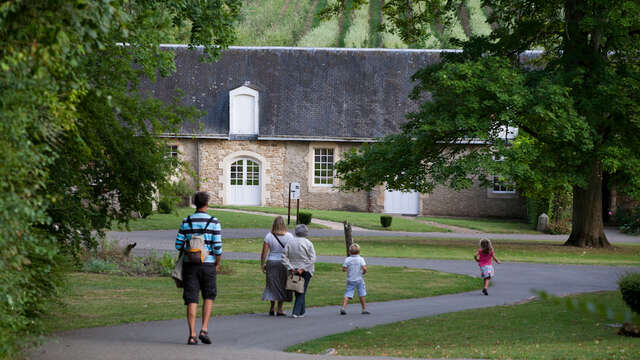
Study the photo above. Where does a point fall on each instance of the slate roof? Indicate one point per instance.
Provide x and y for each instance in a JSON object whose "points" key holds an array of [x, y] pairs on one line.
{"points": [[305, 93]]}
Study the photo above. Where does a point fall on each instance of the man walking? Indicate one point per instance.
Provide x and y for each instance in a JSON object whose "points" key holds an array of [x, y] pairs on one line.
{"points": [[199, 272]]}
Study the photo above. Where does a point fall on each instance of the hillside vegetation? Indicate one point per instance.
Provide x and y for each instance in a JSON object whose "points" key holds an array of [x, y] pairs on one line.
{"points": [[296, 23]]}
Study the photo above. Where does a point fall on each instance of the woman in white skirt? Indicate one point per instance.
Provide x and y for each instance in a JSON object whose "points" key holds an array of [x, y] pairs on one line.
{"points": [[270, 262]]}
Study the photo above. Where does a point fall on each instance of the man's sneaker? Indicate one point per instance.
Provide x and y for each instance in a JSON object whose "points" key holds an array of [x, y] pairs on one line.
{"points": [[342, 312], [365, 312], [484, 291], [297, 316]]}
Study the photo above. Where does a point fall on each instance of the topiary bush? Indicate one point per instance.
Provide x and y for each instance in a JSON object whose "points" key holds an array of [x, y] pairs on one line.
{"points": [[630, 288], [304, 218], [385, 221]]}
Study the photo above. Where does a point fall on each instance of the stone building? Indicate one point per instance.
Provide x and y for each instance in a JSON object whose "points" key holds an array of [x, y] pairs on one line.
{"points": [[280, 115]]}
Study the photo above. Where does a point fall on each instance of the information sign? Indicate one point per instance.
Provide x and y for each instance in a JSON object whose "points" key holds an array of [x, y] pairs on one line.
{"points": [[294, 191]]}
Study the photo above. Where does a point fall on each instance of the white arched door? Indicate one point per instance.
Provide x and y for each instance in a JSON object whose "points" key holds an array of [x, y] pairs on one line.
{"points": [[244, 183]]}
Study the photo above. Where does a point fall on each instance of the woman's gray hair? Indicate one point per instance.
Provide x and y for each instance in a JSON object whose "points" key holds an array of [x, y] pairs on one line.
{"points": [[301, 230]]}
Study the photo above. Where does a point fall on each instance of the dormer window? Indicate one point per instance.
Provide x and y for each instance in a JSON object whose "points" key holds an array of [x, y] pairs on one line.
{"points": [[243, 111]]}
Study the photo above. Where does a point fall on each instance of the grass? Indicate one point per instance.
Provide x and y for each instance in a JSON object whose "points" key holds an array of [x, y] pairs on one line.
{"points": [[324, 35], [463, 249], [347, 18], [494, 226], [272, 22], [228, 220], [477, 18], [375, 19], [536, 330], [358, 35], [453, 30], [361, 219], [102, 300]]}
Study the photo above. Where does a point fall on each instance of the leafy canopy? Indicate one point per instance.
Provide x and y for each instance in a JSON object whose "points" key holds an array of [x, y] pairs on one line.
{"points": [[575, 103], [79, 141]]}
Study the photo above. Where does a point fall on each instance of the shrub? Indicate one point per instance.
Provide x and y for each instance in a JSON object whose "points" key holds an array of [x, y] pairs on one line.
{"points": [[172, 195], [304, 218], [109, 257], [385, 221], [166, 206], [100, 266], [147, 210], [628, 220], [630, 288]]}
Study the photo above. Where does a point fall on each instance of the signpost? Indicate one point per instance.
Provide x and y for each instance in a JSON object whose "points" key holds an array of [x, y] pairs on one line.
{"points": [[294, 194]]}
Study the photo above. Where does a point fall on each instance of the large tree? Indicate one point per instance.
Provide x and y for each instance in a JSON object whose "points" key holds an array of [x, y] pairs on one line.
{"points": [[78, 140], [575, 103]]}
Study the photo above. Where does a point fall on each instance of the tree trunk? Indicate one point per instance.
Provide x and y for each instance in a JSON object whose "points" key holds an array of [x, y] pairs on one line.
{"points": [[587, 228], [348, 239]]}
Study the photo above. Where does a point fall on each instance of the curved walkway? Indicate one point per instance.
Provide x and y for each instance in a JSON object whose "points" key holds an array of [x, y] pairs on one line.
{"points": [[165, 239], [258, 336]]}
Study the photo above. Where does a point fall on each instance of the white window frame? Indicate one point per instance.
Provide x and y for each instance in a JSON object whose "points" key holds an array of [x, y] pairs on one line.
{"points": [[333, 164], [510, 186], [173, 151], [233, 121]]}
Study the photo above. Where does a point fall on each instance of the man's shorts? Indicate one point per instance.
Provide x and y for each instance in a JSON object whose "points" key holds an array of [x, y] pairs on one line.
{"points": [[355, 285], [197, 278]]}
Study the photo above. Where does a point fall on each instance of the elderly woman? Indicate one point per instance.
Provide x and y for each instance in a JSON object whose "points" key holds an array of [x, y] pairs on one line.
{"points": [[299, 257], [271, 264]]}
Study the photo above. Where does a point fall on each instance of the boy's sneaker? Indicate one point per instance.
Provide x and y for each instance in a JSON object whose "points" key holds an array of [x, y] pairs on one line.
{"points": [[484, 291], [342, 312], [365, 312]]}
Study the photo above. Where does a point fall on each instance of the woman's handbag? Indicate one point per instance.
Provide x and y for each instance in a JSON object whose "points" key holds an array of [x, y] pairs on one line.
{"points": [[295, 283], [176, 274]]}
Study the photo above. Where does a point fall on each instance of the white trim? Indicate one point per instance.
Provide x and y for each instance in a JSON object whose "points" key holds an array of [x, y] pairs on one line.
{"points": [[233, 121], [321, 188], [225, 178], [194, 136], [271, 138], [437, 51], [310, 138]]}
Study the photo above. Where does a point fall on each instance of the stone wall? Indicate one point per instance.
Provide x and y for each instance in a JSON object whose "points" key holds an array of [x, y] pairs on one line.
{"points": [[474, 202], [283, 162], [299, 168]]}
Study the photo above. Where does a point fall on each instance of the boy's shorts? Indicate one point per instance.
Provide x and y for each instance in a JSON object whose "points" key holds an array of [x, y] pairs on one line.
{"points": [[355, 285]]}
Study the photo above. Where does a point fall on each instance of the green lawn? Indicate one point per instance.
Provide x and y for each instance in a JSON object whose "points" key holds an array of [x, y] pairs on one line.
{"points": [[101, 300], [228, 220], [537, 330], [463, 249], [361, 219], [494, 226]]}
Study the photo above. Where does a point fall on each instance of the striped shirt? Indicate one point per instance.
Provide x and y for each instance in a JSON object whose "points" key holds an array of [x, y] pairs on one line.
{"points": [[212, 234]]}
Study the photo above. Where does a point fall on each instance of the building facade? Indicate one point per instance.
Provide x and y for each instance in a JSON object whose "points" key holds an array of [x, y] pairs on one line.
{"points": [[273, 116]]}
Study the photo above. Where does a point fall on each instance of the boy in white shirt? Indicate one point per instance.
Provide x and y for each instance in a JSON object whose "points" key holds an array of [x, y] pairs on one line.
{"points": [[355, 267]]}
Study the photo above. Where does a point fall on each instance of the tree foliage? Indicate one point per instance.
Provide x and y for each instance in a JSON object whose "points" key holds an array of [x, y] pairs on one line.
{"points": [[79, 144], [576, 105]]}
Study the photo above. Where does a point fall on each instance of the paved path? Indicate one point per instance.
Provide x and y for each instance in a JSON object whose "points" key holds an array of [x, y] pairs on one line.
{"points": [[260, 337], [165, 239]]}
